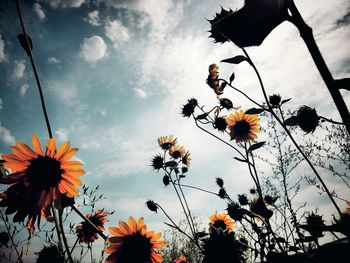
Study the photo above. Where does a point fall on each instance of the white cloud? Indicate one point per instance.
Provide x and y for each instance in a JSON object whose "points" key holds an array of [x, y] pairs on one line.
{"points": [[93, 18], [24, 89], [53, 60], [62, 134], [39, 11], [19, 68], [6, 136], [64, 3], [117, 33], [101, 111], [93, 49], [141, 93], [2, 49], [1, 104], [66, 92]]}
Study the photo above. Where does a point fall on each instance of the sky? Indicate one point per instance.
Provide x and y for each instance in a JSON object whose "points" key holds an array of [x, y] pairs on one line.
{"points": [[115, 75]]}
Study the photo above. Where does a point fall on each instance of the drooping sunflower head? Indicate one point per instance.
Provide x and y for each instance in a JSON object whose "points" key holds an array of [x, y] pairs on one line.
{"points": [[186, 160], [243, 127], [177, 151], [181, 259], [166, 142], [131, 242], [222, 221], [157, 162], [85, 232], [38, 178]]}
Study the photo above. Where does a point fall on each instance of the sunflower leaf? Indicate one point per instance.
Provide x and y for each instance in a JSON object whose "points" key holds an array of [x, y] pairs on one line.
{"points": [[254, 111], [202, 116], [235, 60], [292, 121], [284, 101], [232, 77], [256, 146], [241, 160]]}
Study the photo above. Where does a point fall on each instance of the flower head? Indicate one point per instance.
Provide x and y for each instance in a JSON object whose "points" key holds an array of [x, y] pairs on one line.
{"points": [[243, 127], [220, 124], [131, 242], [226, 103], [38, 178], [243, 199], [258, 206], [152, 206], [157, 162], [166, 142], [213, 79], [222, 221], [85, 232], [181, 259], [189, 107], [307, 119], [235, 211], [275, 100], [186, 160], [177, 151]]}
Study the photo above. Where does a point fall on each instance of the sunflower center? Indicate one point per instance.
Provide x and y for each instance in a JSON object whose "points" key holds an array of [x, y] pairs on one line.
{"points": [[220, 224], [176, 154], [88, 230], [166, 145], [241, 128], [139, 243], [44, 172]]}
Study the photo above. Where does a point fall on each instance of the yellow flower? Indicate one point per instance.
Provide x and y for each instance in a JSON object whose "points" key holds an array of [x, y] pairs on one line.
{"points": [[87, 233], [177, 151], [222, 221], [166, 142], [213, 71], [131, 242], [38, 178], [181, 259], [186, 160], [243, 127]]}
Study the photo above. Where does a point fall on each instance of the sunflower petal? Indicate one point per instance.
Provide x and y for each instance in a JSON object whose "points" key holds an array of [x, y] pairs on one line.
{"points": [[64, 148], [36, 144], [50, 148], [26, 150]]}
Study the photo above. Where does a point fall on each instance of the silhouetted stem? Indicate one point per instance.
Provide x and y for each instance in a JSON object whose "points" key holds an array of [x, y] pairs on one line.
{"points": [[307, 36], [56, 226], [289, 134], [87, 220], [330, 120], [197, 188], [64, 237], [76, 242]]}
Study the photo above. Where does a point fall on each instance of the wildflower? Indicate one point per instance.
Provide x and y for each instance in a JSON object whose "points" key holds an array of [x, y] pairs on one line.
{"points": [[186, 160], [177, 151], [250, 25], [243, 199], [252, 191], [157, 162], [181, 259], [307, 119], [85, 232], [235, 211], [38, 178], [131, 242], [258, 206], [243, 127], [213, 80], [220, 124], [166, 142], [189, 107], [50, 254], [152, 206], [314, 220], [275, 100], [226, 103], [222, 221], [220, 182], [4, 239]]}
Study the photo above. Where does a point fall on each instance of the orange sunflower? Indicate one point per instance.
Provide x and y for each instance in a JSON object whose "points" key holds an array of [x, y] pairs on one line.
{"points": [[181, 259], [222, 221], [166, 142], [243, 127], [85, 232], [177, 151], [131, 242], [38, 178]]}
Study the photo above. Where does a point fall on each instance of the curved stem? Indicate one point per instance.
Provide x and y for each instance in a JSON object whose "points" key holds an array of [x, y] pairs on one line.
{"points": [[197, 188]]}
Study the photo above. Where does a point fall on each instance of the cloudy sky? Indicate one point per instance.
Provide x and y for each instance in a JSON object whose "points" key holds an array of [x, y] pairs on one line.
{"points": [[116, 73]]}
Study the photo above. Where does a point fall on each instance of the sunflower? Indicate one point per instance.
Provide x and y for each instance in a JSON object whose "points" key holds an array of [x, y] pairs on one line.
{"points": [[85, 232], [181, 259], [38, 178], [243, 127], [222, 221], [186, 160], [177, 151], [166, 142], [131, 242]]}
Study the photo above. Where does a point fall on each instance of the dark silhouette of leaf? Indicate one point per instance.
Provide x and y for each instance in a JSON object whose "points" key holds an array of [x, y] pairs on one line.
{"points": [[256, 146], [292, 121], [254, 111], [202, 116], [241, 160], [232, 77], [343, 83], [235, 60], [284, 101], [23, 41]]}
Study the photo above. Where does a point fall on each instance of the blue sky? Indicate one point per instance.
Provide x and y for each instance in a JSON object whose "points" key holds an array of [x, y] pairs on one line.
{"points": [[116, 73]]}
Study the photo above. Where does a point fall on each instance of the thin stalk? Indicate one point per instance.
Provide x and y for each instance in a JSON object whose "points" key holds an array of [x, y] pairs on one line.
{"points": [[11, 238], [330, 120], [76, 242], [197, 188], [289, 134], [70, 259]]}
